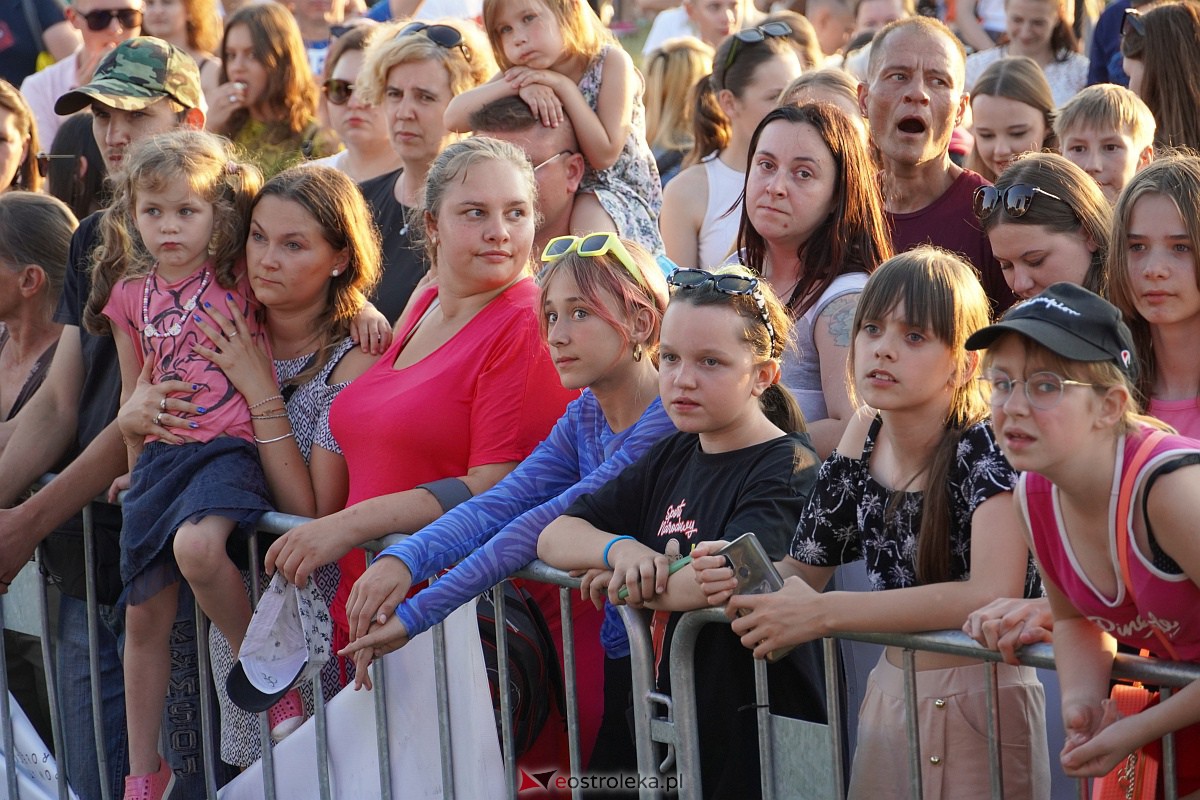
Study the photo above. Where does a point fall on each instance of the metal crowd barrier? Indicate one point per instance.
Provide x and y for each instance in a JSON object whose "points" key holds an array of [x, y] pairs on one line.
{"points": [[796, 756]]}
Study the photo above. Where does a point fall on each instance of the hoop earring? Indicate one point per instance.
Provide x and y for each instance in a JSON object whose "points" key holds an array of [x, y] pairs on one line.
{"points": [[638, 352]]}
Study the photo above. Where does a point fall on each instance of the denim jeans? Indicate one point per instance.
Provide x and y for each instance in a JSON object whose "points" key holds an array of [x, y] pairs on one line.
{"points": [[181, 715]]}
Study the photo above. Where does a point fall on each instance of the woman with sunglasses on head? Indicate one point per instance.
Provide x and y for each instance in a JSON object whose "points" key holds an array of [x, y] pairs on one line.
{"points": [[360, 125], [410, 71], [919, 489], [601, 305], [1047, 221], [740, 463], [1161, 48], [701, 207], [266, 102], [1061, 375], [812, 226]]}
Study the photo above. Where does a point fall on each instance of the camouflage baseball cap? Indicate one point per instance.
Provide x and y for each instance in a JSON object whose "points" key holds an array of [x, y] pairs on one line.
{"points": [[135, 74]]}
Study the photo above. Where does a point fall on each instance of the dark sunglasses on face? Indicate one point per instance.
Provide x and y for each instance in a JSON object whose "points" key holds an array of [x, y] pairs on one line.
{"points": [[443, 36], [44, 159], [1016, 199], [1133, 21], [770, 30], [100, 20], [338, 92]]}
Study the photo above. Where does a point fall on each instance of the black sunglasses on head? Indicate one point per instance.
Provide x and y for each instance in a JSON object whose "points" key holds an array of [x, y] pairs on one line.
{"points": [[769, 30], [443, 36], [43, 161], [1133, 21], [100, 19], [1016, 199]]}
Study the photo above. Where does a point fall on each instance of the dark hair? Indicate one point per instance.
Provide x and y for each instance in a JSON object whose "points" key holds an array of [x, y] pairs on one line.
{"points": [[941, 293], [13, 101], [1170, 54], [36, 229], [778, 404], [511, 115], [711, 128], [290, 95], [854, 237], [83, 194], [1083, 209]]}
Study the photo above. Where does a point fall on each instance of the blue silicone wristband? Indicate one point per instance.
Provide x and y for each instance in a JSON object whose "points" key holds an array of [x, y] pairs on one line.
{"points": [[608, 547]]}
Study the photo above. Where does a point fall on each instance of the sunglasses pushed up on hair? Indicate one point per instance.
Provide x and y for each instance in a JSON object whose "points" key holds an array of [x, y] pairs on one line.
{"points": [[730, 284], [444, 36], [101, 19], [768, 30], [595, 245], [1016, 199]]}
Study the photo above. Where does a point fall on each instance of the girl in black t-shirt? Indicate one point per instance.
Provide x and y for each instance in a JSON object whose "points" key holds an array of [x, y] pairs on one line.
{"points": [[740, 463]]}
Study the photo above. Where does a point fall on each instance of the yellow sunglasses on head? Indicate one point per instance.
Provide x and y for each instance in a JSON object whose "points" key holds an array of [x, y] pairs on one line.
{"points": [[592, 246]]}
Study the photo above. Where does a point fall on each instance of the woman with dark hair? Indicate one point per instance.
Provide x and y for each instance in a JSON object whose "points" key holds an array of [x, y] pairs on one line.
{"points": [[193, 26], [700, 214], [1038, 29], [1161, 47], [75, 171], [1047, 222], [18, 142], [812, 226], [267, 99]]}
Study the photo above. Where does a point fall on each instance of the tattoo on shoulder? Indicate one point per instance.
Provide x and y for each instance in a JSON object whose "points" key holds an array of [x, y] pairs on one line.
{"points": [[839, 316]]}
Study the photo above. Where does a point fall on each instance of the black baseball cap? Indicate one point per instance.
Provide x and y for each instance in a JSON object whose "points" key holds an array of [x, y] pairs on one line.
{"points": [[1071, 321]]}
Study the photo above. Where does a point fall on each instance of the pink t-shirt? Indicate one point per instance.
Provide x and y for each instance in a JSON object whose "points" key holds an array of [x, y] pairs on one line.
{"points": [[488, 395], [1182, 415], [1169, 602], [171, 311]]}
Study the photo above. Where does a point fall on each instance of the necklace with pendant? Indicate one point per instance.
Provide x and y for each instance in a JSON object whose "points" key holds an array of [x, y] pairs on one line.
{"points": [[148, 329]]}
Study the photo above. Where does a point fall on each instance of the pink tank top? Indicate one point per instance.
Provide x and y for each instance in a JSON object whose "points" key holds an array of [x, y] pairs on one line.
{"points": [[1169, 602]]}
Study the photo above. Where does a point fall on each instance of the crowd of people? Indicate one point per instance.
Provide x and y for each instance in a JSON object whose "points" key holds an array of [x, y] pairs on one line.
{"points": [[907, 286]]}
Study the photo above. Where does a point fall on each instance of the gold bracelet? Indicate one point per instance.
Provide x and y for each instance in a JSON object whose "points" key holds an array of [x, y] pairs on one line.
{"points": [[276, 439], [281, 414], [264, 402]]}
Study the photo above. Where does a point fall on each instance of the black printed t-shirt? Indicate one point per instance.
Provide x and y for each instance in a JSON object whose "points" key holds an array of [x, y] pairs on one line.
{"points": [[676, 492]]}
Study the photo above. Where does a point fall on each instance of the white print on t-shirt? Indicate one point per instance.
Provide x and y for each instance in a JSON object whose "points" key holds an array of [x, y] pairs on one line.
{"points": [[1141, 623], [674, 523]]}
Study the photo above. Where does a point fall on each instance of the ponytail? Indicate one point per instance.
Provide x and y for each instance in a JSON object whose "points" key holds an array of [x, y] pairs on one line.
{"points": [[711, 131]]}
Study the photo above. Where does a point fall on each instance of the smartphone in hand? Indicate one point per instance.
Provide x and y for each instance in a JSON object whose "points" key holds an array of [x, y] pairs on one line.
{"points": [[755, 573]]}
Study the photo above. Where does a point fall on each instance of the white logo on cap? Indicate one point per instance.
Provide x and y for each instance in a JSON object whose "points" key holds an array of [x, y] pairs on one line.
{"points": [[1055, 304], [1126, 356]]}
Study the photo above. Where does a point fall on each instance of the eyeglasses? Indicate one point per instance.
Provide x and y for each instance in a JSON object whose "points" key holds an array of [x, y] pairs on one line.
{"points": [[770, 30], [1043, 390], [594, 245], [555, 157], [443, 36], [726, 284], [338, 92], [100, 19], [44, 159], [1016, 199], [1133, 19]]}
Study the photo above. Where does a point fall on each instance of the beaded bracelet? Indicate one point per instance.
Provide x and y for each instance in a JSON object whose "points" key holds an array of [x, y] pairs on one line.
{"points": [[275, 415], [276, 439], [264, 402], [608, 547]]}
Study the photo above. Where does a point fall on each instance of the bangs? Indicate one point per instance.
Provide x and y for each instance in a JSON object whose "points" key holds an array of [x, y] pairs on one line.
{"points": [[927, 297]]}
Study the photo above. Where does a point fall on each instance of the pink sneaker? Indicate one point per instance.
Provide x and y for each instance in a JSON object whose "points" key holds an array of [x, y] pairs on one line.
{"points": [[155, 786], [286, 716]]}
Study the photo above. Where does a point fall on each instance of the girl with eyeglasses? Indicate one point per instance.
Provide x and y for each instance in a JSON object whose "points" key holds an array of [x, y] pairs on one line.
{"points": [[601, 304], [702, 207], [266, 102], [919, 488], [567, 66], [740, 463], [1061, 369], [1047, 222], [360, 125]]}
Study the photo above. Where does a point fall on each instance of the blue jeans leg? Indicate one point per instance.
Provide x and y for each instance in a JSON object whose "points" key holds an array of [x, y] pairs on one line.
{"points": [[75, 693]]}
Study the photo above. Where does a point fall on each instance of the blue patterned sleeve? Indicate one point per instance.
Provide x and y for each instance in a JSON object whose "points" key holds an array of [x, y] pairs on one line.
{"points": [[516, 545]]}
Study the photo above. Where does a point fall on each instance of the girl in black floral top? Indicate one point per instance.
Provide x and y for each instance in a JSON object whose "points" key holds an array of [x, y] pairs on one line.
{"points": [[918, 488]]}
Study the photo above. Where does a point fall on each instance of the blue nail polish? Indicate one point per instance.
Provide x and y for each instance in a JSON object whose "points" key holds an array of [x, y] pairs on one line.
{"points": [[195, 387], [196, 317], [201, 410], [207, 304], [193, 425], [229, 296]]}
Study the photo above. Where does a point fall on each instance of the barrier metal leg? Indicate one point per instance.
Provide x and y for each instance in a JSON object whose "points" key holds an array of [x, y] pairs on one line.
{"points": [[264, 729], [766, 744], [1170, 786], [6, 729], [566, 613], [833, 713], [642, 662], [382, 745], [323, 784], [912, 724], [445, 734], [506, 711], [683, 688], [93, 627], [56, 731], [995, 771], [207, 713]]}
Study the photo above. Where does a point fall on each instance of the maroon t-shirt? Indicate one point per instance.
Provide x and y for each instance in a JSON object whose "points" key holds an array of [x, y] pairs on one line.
{"points": [[950, 223]]}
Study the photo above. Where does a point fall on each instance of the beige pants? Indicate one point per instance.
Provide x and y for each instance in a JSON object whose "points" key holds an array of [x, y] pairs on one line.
{"points": [[953, 725]]}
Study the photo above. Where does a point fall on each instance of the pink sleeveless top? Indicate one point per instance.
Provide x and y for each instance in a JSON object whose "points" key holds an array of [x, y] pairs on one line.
{"points": [[1169, 602]]}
